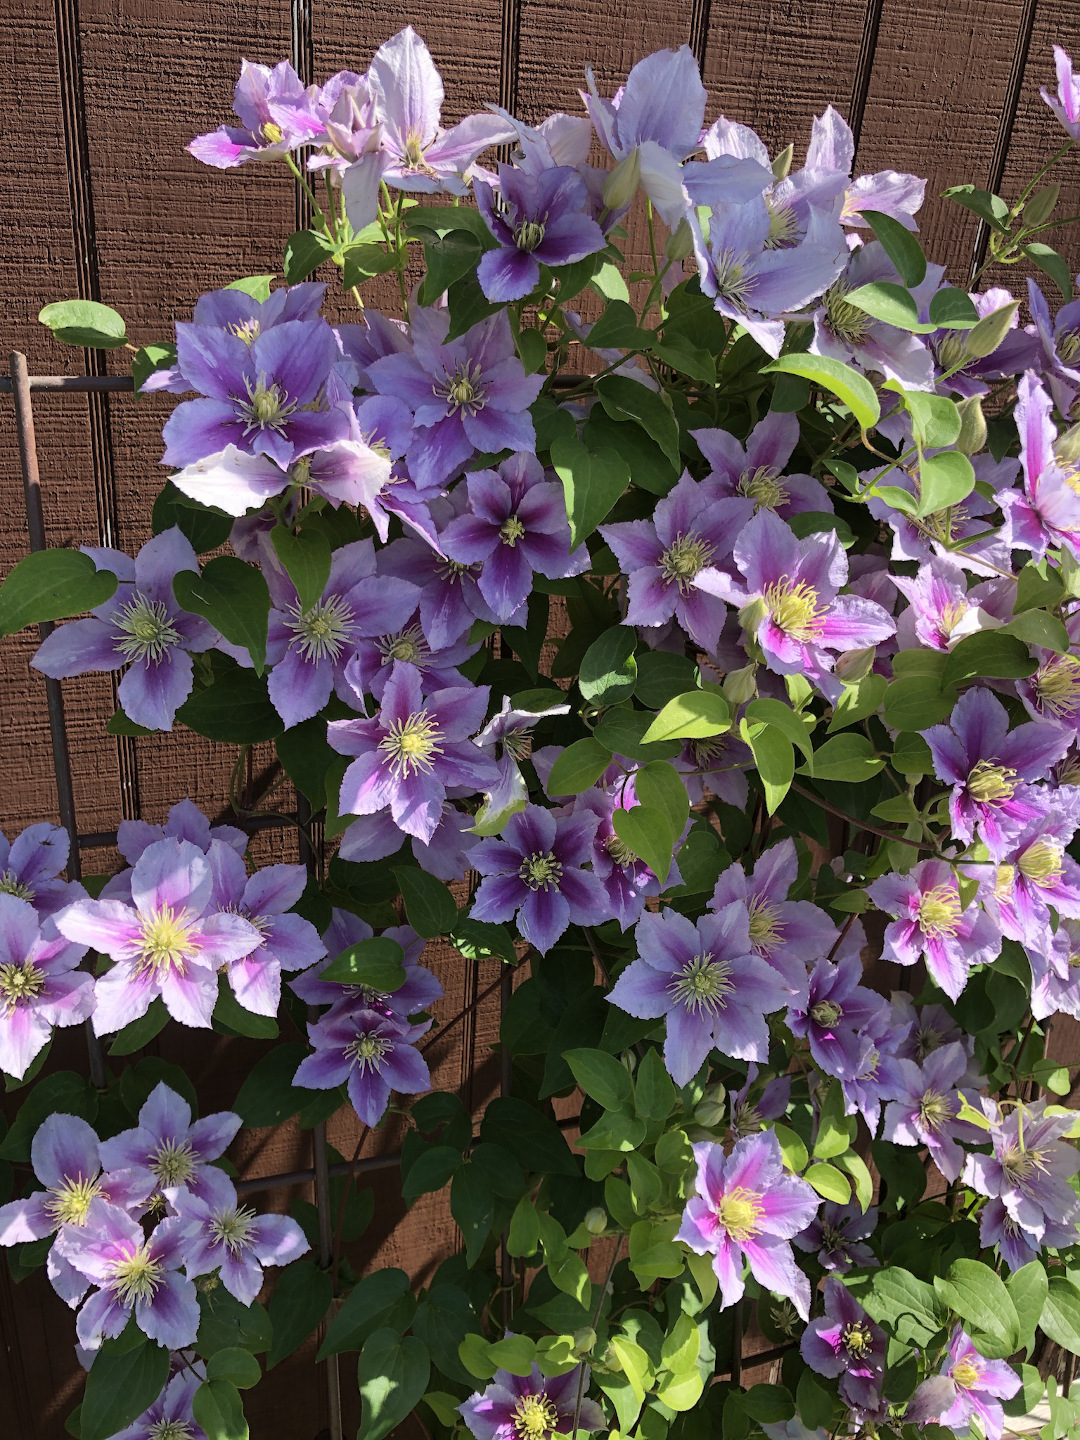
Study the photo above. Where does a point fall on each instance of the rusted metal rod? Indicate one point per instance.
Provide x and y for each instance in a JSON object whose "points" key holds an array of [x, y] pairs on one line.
{"points": [[76, 384]]}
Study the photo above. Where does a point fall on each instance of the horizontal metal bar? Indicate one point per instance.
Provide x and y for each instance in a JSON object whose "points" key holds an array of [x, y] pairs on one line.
{"points": [[93, 839], [305, 1177], [77, 384]]}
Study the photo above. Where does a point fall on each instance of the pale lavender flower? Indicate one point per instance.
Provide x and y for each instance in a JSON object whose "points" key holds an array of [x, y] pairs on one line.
{"points": [[1028, 1171], [832, 149], [835, 1017], [419, 992], [140, 626], [754, 1104], [931, 923], [1066, 104], [838, 1233], [30, 867], [844, 332], [450, 598], [926, 1113], [170, 1415], [1055, 972], [1059, 344], [507, 739], [716, 766], [276, 114], [185, 821], [136, 1275], [922, 1029], [879, 1078], [369, 1052], [533, 1406], [537, 218], [40, 985], [626, 878], [347, 109], [967, 1388], [1036, 876], [224, 1236], [167, 1150], [373, 661], [748, 1206], [169, 941], [231, 479], [445, 855], [756, 472], [844, 1344], [942, 611], [1047, 511]]}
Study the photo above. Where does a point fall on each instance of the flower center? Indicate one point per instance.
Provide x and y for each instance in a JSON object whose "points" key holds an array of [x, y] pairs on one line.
{"points": [[965, 1374], [739, 1212], [541, 871], [619, 851], [832, 1238], [68, 1203], [173, 1162], [232, 1228], [927, 1040], [322, 632], [245, 330], [529, 235], [166, 941], [518, 743], [939, 910], [267, 407], [1057, 685], [411, 744], [171, 1430], [146, 631], [511, 531], [936, 1110], [705, 752], [989, 783], [703, 984], [763, 487], [407, 645], [462, 390], [368, 1052], [951, 615], [826, 1013], [414, 150], [270, 133], [19, 981], [858, 1339], [1020, 1164], [735, 281], [766, 927], [783, 226], [137, 1277], [11, 885], [453, 570], [1067, 345], [846, 321], [534, 1417], [1040, 863], [795, 609], [684, 558]]}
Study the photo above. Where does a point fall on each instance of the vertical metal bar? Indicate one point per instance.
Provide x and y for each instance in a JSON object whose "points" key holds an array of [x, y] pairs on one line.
{"points": [[506, 1085], [35, 522], [303, 61], [864, 68], [698, 38]]}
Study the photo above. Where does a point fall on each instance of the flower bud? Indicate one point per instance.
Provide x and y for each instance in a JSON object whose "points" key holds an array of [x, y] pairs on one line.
{"points": [[782, 164], [712, 1107], [584, 1340], [855, 665], [622, 184], [741, 685], [991, 330], [751, 616], [972, 437], [680, 244], [596, 1220], [1067, 446]]}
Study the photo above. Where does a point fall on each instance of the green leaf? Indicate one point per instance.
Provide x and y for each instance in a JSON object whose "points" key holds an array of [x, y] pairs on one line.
{"points": [[1051, 263], [377, 963], [686, 359], [834, 1131], [429, 906], [953, 310], [915, 702], [515, 1353], [578, 767], [617, 329], [306, 757], [848, 758], [305, 251], [1037, 627], [934, 418], [1029, 1291], [52, 585], [607, 280], [622, 731], [944, 480], [468, 305], [591, 484], [987, 654], [792, 1148], [85, 323], [472, 1205], [829, 1182], [980, 1298], [774, 758], [858, 700], [647, 833], [853, 389], [218, 1409], [257, 286], [239, 1367], [895, 1291], [783, 718], [367, 1308], [148, 359], [1060, 1319], [697, 715], [524, 1234], [392, 1376], [235, 709], [268, 1096], [480, 940], [432, 1169], [204, 527], [306, 558], [659, 786], [608, 669], [234, 1019], [889, 303], [530, 1135], [122, 1383], [988, 207], [140, 1032], [814, 1403], [235, 599], [226, 1323], [654, 1089], [448, 258], [600, 1076], [611, 439], [900, 245], [626, 399], [63, 1092]]}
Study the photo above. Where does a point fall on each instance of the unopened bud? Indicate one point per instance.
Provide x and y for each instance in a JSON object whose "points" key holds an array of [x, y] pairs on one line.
{"points": [[782, 164], [584, 1340], [712, 1107], [855, 665], [751, 616], [991, 330], [1069, 572], [1067, 446], [680, 244], [596, 1220], [972, 437], [622, 184], [741, 685], [1041, 205], [612, 1361]]}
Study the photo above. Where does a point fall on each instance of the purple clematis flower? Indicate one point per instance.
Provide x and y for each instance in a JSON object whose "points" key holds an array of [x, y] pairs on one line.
{"points": [[1047, 511], [836, 1015], [926, 1111], [65, 1157], [445, 856], [922, 1029], [1036, 875], [534, 870], [507, 738], [705, 978], [414, 750], [515, 526], [663, 558], [788, 934], [879, 1079], [753, 1105], [309, 646], [838, 1234], [967, 375], [346, 107], [844, 332], [171, 1413], [625, 877], [373, 661], [276, 114], [140, 626], [968, 1387], [538, 218], [1055, 972], [465, 395], [223, 1235], [268, 397], [30, 867], [533, 1406], [419, 992], [40, 986], [756, 472], [185, 821], [360, 471], [789, 601], [832, 149], [748, 1206], [1058, 347], [1028, 1171], [845, 1344], [1053, 692], [369, 1052], [931, 923], [231, 479], [169, 941], [167, 1150], [990, 769], [1066, 105], [942, 610], [136, 1275], [450, 599]]}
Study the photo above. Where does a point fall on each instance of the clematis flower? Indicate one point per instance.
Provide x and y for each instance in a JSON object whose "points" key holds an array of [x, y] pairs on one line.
{"points": [[533, 1406], [224, 1236], [30, 867], [140, 626], [450, 598], [844, 332], [171, 1413], [838, 1234], [832, 149], [507, 738], [412, 751], [663, 558], [535, 870], [837, 1011], [927, 1111], [137, 1277], [1052, 693], [964, 374], [40, 986], [968, 1387], [185, 821], [714, 992], [419, 992], [754, 1104], [369, 1052], [515, 526], [1036, 876], [932, 923], [373, 661], [626, 878], [168, 941], [990, 768], [942, 610], [537, 218], [1066, 106], [1028, 1171], [346, 107], [65, 1155], [756, 471], [1055, 973], [789, 601], [845, 1344], [276, 116], [1047, 511], [445, 855], [715, 766], [747, 1206], [361, 470], [879, 1078], [1058, 347], [922, 1029], [167, 1150], [465, 395]]}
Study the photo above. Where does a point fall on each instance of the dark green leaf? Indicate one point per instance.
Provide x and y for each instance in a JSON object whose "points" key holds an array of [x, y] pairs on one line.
{"points": [[953, 310], [377, 964], [600, 1076], [980, 1298], [140, 1032], [473, 1207], [304, 252], [367, 1307], [611, 439], [431, 909], [617, 329], [236, 1365], [853, 389], [591, 484], [306, 558], [52, 585], [218, 1409], [1051, 263], [226, 1323], [889, 303], [234, 597], [268, 1096], [122, 1383], [626, 399], [915, 702], [662, 676], [204, 527], [235, 709], [608, 668], [988, 207], [987, 654], [392, 1376], [901, 246], [531, 1136], [301, 1298], [306, 757], [468, 305], [578, 767], [231, 1016], [63, 1092]]}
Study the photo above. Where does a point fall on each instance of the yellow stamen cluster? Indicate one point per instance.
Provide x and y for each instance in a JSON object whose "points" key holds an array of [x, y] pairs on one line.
{"points": [[989, 783], [939, 910], [703, 984], [166, 941], [412, 744], [534, 1417], [740, 1212], [795, 609]]}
